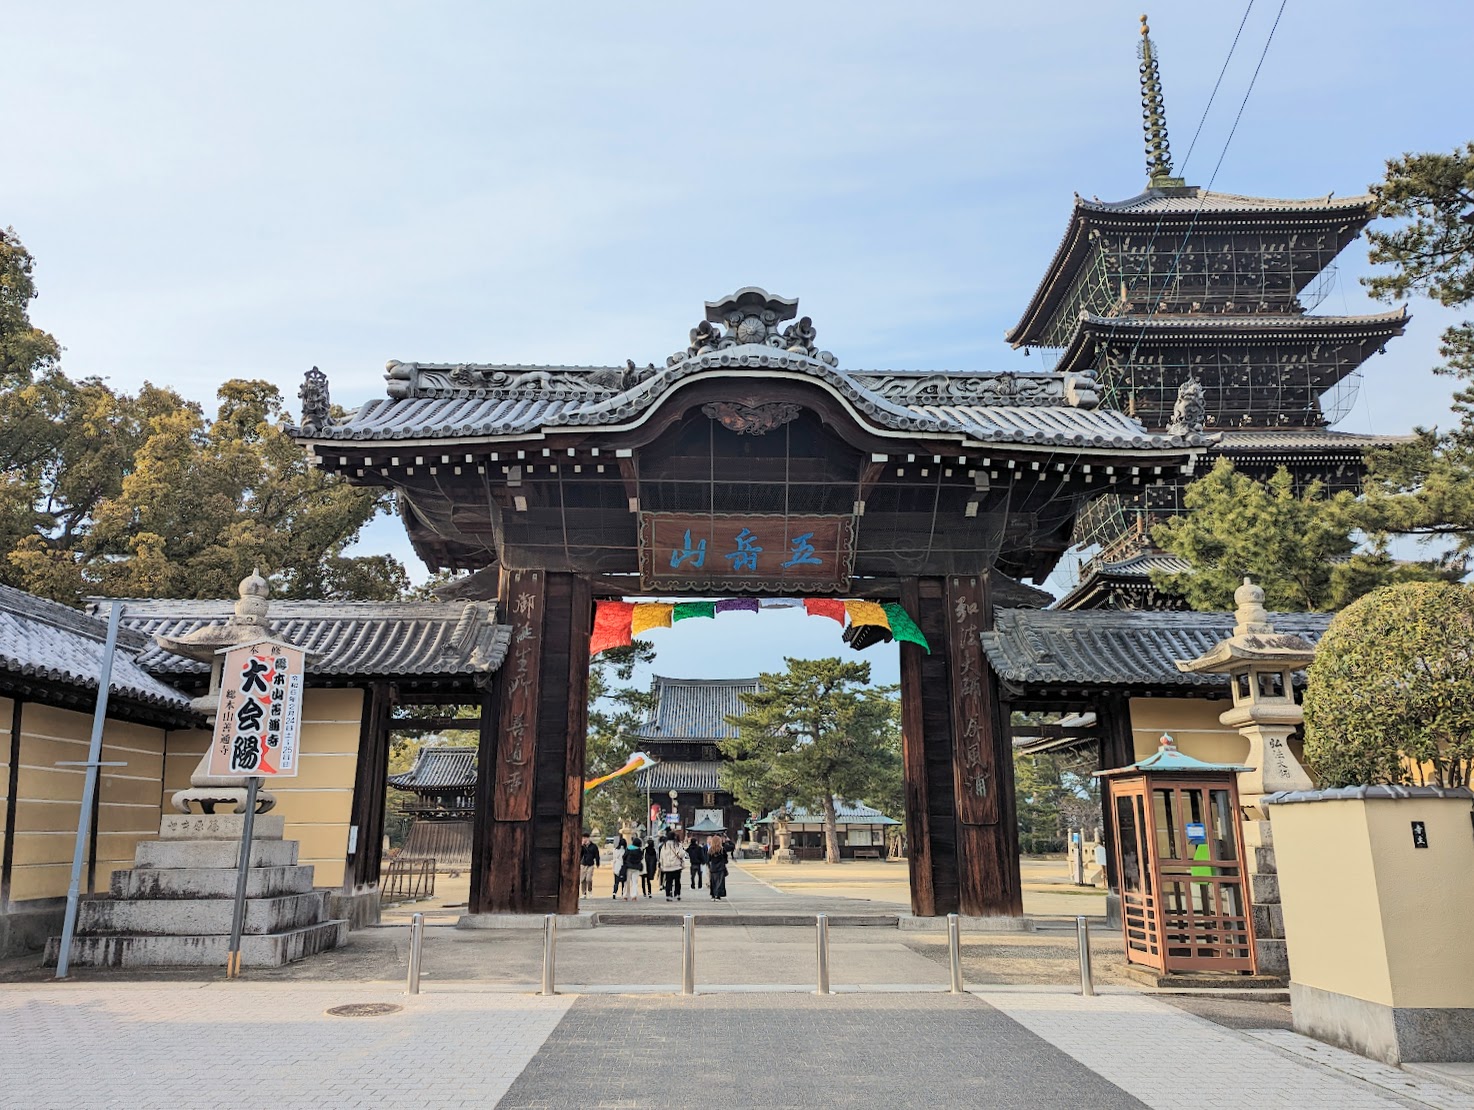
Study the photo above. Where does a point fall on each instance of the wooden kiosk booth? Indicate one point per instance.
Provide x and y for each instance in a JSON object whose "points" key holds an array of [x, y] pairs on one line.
{"points": [[1180, 857]]}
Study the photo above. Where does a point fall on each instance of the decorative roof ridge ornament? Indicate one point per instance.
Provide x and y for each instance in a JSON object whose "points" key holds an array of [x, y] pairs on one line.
{"points": [[1190, 412], [750, 317], [412, 379], [1154, 117], [316, 405], [1006, 388]]}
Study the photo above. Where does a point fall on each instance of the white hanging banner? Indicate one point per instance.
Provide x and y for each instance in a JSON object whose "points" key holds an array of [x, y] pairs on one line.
{"points": [[260, 716]]}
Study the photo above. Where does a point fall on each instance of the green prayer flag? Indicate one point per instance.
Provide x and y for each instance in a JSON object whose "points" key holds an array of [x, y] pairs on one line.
{"points": [[902, 626], [685, 610]]}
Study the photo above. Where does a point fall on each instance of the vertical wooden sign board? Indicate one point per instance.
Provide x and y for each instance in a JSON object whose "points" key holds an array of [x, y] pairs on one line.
{"points": [[982, 773], [515, 776]]}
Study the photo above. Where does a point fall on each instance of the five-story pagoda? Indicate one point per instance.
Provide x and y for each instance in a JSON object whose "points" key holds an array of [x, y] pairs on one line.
{"points": [[1190, 306]]}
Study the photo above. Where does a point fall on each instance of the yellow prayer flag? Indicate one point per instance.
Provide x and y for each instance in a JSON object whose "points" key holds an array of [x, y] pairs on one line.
{"points": [[866, 612], [650, 614]]}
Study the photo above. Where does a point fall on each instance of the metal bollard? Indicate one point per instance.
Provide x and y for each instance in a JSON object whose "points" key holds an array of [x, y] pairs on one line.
{"points": [[1087, 978], [416, 946], [550, 948], [821, 942], [954, 952], [688, 954]]}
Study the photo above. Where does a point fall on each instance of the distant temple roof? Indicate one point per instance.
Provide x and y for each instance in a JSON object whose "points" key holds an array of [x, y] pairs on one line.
{"points": [[438, 769], [1129, 648], [679, 774], [345, 640], [695, 708], [52, 653], [846, 813]]}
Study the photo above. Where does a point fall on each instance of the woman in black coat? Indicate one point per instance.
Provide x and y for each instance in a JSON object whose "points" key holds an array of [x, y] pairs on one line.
{"points": [[647, 876], [716, 865]]}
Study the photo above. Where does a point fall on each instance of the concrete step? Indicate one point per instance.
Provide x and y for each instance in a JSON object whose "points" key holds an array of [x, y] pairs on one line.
{"points": [[201, 951], [189, 916], [213, 853], [207, 882], [837, 920]]}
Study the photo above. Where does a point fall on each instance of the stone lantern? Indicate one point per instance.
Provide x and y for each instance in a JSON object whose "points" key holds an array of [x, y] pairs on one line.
{"points": [[784, 852], [1260, 664]]}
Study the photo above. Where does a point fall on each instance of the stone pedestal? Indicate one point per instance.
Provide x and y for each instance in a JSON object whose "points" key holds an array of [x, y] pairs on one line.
{"points": [[1262, 881], [174, 908]]}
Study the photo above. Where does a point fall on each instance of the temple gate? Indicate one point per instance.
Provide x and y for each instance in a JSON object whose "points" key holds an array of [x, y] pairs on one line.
{"points": [[749, 463]]}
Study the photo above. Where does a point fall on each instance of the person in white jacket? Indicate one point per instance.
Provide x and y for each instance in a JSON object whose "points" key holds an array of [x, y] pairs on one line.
{"points": [[672, 862]]}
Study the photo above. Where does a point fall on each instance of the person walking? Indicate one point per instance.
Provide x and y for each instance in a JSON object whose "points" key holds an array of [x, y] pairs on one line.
{"points": [[672, 863], [617, 864], [716, 865], [652, 864], [588, 859], [697, 855], [634, 862]]}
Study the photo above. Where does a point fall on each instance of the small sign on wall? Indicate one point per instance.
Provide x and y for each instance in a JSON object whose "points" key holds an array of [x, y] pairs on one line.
{"points": [[1420, 835]]}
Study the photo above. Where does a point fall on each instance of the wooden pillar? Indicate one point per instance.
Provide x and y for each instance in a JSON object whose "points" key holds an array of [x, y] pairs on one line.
{"points": [[1117, 749], [366, 841], [959, 780], [12, 790], [530, 770], [913, 764]]}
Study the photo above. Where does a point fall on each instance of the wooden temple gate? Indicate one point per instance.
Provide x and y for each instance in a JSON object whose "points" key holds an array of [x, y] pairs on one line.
{"points": [[559, 486]]}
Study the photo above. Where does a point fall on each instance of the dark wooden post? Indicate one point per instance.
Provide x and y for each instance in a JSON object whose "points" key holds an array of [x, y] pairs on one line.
{"points": [[1117, 749], [959, 780], [366, 851], [530, 770], [913, 760]]}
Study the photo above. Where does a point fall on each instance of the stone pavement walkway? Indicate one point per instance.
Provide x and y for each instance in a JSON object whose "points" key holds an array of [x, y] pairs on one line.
{"points": [[273, 1045]]}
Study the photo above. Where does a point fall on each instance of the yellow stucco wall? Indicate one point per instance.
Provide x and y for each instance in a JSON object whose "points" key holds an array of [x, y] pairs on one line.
{"points": [[1369, 915], [316, 803], [1194, 725], [48, 797]]}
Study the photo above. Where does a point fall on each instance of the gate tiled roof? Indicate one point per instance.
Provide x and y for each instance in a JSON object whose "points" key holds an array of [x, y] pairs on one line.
{"points": [[1117, 647], [344, 639]]}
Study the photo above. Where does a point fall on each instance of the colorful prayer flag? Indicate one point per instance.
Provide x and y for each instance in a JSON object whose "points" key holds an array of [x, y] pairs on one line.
{"points": [[781, 603], [650, 614], [685, 610], [903, 627], [866, 612], [612, 620], [737, 605], [825, 607]]}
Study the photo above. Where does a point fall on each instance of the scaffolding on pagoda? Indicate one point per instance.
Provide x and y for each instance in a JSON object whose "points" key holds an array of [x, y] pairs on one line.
{"points": [[1193, 307]]}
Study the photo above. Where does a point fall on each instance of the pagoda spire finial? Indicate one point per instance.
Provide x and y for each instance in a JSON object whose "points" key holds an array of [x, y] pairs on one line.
{"points": [[1154, 116]]}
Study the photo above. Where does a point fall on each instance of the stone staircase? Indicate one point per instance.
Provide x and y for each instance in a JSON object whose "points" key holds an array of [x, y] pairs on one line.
{"points": [[174, 908]]}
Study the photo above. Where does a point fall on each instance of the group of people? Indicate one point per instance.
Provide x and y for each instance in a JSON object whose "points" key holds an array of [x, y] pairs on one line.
{"points": [[643, 860]]}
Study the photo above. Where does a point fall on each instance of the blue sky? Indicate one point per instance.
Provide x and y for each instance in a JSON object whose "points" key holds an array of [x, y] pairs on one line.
{"points": [[215, 191]]}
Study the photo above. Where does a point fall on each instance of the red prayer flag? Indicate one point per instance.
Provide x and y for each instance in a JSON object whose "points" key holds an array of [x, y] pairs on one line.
{"points": [[825, 607], [611, 625]]}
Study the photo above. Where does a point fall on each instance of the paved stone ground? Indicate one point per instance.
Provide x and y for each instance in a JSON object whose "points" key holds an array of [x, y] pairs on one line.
{"points": [[920, 1051], [1170, 1059], [272, 1045], [244, 1046]]}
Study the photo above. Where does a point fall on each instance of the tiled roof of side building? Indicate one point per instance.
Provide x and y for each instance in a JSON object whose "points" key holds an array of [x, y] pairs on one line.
{"points": [[1237, 440], [61, 649], [696, 708], [1113, 647], [345, 639], [438, 768], [845, 813]]}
